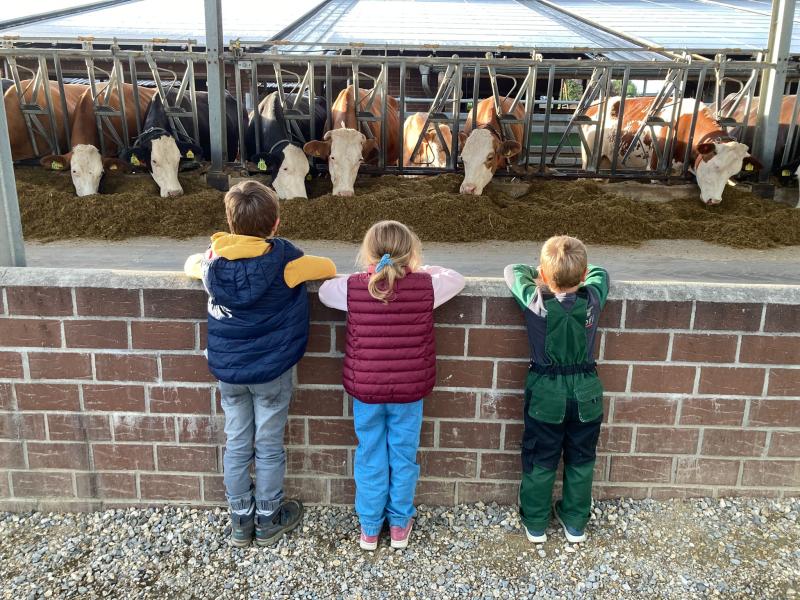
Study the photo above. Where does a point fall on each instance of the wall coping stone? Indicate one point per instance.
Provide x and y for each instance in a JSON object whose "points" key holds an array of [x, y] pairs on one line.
{"points": [[476, 286]]}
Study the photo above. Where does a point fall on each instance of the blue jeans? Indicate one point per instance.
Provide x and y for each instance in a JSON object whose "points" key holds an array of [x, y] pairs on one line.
{"points": [[255, 419], [386, 469]]}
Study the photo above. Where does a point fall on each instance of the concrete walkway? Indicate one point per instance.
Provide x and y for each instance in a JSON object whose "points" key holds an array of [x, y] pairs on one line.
{"points": [[664, 260]]}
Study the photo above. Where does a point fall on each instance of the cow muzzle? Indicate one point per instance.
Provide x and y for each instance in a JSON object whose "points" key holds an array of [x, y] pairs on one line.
{"points": [[469, 189]]}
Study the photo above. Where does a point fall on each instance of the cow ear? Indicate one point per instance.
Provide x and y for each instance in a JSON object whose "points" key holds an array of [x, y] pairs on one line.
{"points": [[55, 162], [613, 110], [318, 149], [462, 139], [135, 157], [706, 148], [263, 161], [751, 163], [431, 135], [190, 151], [115, 165], [369, 150], [510, 148]]}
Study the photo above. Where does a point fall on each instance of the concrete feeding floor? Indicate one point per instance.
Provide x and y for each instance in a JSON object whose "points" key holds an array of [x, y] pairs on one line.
{"points": [[662, 260]]}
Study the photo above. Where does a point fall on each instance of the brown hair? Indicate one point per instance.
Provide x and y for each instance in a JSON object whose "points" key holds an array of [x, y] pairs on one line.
{"points": [[404, 249], [564, 261], [252, 209]]}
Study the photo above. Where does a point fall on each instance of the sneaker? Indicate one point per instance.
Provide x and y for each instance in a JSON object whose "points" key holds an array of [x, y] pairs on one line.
{"points": [[400, 535], [574, 536], [368, 542], [242, 527], [269, 529], [535, 537]]}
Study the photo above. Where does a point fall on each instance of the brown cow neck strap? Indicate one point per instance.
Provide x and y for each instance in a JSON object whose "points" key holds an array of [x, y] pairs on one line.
{"points": [[491, 129]]}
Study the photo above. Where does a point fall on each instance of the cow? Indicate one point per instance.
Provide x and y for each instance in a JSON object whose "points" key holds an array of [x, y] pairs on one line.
{"points": [[162, 150], [345, 147], [286, 161], [714, 155], [21, 147], [484, 147], [86, 165], [431, 151]]}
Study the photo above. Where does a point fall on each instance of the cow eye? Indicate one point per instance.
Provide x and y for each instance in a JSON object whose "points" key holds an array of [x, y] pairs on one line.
{"points": [[490, 157], [333, 158], [154, 162]]}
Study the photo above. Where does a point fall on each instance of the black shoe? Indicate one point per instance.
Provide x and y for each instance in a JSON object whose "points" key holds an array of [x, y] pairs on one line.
{"points": [[242, 528], [287, 517]]}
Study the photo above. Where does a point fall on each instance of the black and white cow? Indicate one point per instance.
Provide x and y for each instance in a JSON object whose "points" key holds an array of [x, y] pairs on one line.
{"points": [[282, 142], [162, 150]]}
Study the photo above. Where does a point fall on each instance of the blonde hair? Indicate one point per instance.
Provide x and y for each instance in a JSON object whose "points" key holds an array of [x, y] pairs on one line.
{"points": [[404, 250], [564, 260]]}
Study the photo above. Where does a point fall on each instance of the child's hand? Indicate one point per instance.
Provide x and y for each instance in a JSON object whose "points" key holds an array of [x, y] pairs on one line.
{"points": [[192, 266]]}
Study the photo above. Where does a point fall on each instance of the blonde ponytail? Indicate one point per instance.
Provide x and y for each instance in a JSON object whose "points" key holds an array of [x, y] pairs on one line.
{"points": [[404, 252]]}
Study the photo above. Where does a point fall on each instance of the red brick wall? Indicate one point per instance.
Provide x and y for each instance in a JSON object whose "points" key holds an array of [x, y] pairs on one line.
{"points": [[105, 399]]}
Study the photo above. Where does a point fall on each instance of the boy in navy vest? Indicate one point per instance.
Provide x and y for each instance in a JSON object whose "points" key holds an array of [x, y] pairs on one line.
{"points": [[257, 331]]}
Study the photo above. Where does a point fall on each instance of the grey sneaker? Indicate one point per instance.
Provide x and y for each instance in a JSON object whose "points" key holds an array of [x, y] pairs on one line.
{"points": [[242, 528], [270, 529]]}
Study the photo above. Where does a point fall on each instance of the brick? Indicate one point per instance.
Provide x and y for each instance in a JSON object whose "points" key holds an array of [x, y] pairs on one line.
{"points": [[502, 493], [706, 471], [123, 457], [28, 484], [774, 413], [295, 432], [666, 440], [47, 396], [460, 310], [6, 396], [448, 464], [201, 459], [644, 469], [319, 338], [644, 314], [169, 487], [16, 426], [727, 316], [162, 335], [785, 443], [340, 333], [214, 489], [343, 491], [504, 311], [435, 493], [318, 403], [773, 350], [771, 473], [331, 432], [649, 411], [113, 397], [512, 375], [307, 489], [106, 485], [39, 301], [202, 334], [11, 455], [457, 434], [11, 365], [464, 373], [140, 428], [328, 461], [606, 492], [614, 377], [58, 455], [784, 382], [30, 333], [450, 341], [712, 411], [733, 442], [320, 369], [453, 405], [175, 304], [513, 436], [611, 317], [426, 434], [320, 312], [190, 368], [731, 381], [78, 427], [5, 491], [662, 379], [699, 347], [170, 399], [783, 318], [501, 406], [615, 439], [666, 493], [500, 466], [125, 367], [629, 346], [498, 343], [201, 430], [107, 302], [60, 365], [96, 334]]}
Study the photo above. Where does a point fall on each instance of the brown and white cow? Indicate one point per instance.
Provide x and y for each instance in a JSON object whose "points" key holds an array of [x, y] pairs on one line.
{"points": [[484, 149], [431, 151], [715, 156], [345, 147]]}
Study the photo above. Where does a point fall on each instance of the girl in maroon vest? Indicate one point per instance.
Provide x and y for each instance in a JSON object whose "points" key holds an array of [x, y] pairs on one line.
{"points": [[389, 366]]}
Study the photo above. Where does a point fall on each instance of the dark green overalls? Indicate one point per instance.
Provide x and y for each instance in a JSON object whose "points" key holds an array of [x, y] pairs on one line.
{"points": [[563, 411]]}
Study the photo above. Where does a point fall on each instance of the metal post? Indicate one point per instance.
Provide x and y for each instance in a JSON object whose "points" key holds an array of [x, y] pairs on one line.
{"points": [[216, 92], [772, 82], [12, 250]]}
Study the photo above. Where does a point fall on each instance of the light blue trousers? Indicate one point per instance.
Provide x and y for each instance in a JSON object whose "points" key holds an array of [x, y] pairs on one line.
{"points": [[386, 469]]}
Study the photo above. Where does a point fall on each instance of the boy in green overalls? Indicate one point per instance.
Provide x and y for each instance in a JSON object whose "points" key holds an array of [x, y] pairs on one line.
{"points": [[561, 300]]}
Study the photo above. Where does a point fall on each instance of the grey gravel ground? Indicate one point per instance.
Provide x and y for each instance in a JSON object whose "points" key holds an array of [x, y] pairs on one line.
{"points": [[740, 548]]}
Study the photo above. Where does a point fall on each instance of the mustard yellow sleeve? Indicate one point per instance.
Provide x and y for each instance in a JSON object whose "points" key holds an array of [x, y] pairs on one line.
{"points": [[192, 267], [308, 268]]}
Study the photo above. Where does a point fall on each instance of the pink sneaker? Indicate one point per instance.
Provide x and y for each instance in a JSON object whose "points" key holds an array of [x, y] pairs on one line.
{"points": [[368, 542], [400, 535]]}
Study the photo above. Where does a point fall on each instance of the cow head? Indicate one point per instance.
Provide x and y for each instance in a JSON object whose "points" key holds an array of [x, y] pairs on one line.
{"points": [[86, 166], [289, 169], [163, 155], [345, 150], [716, 163], [482, 153], [433, 151]]}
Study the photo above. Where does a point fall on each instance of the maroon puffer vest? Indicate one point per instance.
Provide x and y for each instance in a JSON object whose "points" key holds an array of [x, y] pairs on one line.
{"points": [[391, 353]]}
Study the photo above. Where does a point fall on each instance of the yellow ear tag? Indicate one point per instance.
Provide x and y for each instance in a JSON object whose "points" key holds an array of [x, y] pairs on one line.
{"points": [[262, 165], [748, 167], [135, 160], [308, 176], [113, 167], [56, 166], [786, 173], [189, 154]]}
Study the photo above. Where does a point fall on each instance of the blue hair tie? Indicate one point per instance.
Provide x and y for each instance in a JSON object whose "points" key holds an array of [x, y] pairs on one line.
{"points": [[386, 259]]}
